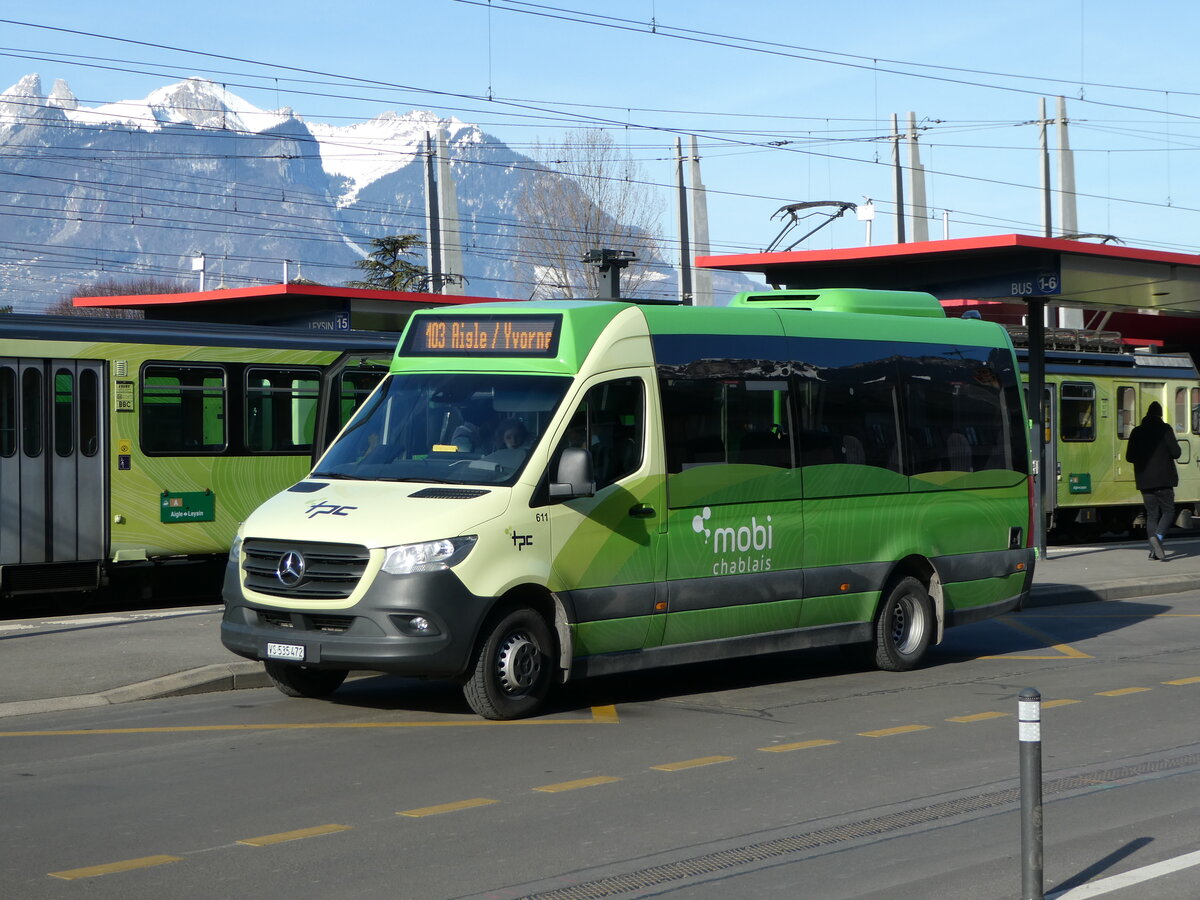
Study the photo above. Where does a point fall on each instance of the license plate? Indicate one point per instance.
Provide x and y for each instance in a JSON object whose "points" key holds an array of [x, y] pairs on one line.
{"points": [[285, 651]]}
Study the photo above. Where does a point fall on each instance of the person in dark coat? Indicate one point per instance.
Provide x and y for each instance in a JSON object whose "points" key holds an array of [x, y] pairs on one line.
{"points": [[1153, 449]]}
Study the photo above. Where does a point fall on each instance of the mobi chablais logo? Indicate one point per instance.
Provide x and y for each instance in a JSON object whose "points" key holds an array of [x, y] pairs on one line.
{"points": [[740, 549]]}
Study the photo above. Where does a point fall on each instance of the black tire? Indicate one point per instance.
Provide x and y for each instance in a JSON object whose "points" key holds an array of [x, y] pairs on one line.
{"points": [[904, 626], [297, 681], [513, 668]]}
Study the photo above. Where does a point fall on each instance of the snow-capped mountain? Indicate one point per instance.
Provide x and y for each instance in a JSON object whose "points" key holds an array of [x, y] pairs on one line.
{"points": [[140, 187]]}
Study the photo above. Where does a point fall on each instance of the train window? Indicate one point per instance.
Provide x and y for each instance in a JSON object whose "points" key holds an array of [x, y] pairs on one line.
{"points": [[1126, 411], [355, 386], [183, 409], [1077, 411], [1195, 410], [8, 412], [89, 412], [281, 409], [64, 412], [31, 412], [1181, 409]]}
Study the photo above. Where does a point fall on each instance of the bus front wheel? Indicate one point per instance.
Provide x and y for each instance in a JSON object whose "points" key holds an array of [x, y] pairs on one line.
{"points": [[297, 681], [903, 626], [512, 671]]}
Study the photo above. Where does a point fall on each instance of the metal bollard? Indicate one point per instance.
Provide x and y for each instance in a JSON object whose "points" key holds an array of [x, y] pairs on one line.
{"points": [[1029, 723]]}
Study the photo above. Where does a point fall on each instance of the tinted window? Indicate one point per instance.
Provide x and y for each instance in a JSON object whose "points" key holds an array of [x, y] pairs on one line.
{"points": [[962, 411], [610, 423], [8, 412], [64, 412], [89, 412], [31, 412], [354, 385], [848, 415]]}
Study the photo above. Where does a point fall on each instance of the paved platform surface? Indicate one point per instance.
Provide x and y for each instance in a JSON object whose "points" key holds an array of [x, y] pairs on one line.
{"points": [[74, 662]]}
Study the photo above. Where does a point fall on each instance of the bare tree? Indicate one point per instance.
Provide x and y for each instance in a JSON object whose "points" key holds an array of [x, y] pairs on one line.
{"points": [[114, 287], [591, 195]]}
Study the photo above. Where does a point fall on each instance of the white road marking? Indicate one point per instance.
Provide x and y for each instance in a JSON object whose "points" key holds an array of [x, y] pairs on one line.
{"points": [[1128, 879]]}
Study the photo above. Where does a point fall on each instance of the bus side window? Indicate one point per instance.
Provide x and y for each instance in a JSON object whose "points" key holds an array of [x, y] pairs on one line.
{"points": [[610, 423]]}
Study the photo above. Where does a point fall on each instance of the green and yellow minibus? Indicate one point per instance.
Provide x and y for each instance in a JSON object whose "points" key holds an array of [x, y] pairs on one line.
{"points": [[552, 490]]}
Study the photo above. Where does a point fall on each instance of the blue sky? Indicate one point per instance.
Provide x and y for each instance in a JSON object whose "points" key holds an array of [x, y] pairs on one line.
{"points": [[790, 102]]}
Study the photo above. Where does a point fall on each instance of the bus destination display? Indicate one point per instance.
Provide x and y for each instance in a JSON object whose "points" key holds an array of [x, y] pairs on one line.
{"points": [[484, 336]]}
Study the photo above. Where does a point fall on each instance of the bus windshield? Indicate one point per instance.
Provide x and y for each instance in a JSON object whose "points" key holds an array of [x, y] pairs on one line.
{"points": [[473, 428]]}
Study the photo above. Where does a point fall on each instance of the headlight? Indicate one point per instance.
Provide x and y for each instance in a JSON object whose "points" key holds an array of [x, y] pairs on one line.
{"points": [[429, 556]]}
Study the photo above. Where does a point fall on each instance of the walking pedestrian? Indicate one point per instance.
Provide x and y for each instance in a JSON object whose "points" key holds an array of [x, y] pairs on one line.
{"points": [[1153, 449]]}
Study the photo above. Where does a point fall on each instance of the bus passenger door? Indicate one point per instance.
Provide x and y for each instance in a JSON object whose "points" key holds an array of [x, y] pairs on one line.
{"points": [[607, 549]]}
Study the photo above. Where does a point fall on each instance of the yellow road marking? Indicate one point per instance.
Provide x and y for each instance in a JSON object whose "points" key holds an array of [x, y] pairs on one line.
{"points": [[899, 729], [801, 745], [601, 715], [1064, 650], [605, 715], [693, 763], [1049, 704], [977, 717], [283, 837], [1121, 692], [109, 868], [1192, 680], [573, 785], [446, 807]]}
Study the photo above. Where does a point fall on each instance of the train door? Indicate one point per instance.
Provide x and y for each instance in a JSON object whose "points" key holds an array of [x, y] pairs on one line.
{"points": [[53, 481], [1127, 418], [1053, 470]]}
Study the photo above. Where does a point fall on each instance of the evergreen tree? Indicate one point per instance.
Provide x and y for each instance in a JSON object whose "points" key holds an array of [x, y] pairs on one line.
{"points": [[386, 268]]}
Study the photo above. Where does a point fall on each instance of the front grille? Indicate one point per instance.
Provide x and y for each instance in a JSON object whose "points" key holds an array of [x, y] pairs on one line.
{"points": [[322, 622], [331, 624], [331, 571]]}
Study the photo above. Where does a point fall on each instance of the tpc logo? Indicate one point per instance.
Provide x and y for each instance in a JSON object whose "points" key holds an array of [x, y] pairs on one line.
{"points": [[327, 509]]}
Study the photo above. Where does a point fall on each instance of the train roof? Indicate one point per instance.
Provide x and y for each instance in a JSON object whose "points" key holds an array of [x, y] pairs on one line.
{"points": [[94, 329]]}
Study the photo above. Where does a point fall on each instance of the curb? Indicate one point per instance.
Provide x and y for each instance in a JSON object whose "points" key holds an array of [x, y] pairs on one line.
{"points": [[1056, 594], [206, 679]]}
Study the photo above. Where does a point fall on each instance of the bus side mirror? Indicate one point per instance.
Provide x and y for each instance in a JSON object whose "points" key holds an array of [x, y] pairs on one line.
{"points": [[573, 477]]}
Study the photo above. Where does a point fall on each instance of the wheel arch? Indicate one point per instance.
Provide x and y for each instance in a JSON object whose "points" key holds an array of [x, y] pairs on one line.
{"points": [[922, 569], [543, 602]]}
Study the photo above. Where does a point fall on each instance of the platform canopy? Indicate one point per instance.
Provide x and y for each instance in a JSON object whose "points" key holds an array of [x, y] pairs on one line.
{"points": [[296, 305], [1007, 267]]}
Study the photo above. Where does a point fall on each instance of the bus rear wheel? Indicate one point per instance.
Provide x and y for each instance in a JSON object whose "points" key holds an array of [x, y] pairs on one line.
{"points": [[513, 668], [903, 626], [297, 681]]}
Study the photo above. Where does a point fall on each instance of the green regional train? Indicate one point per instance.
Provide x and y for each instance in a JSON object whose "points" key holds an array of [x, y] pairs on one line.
{"points": [[128, 446], [1095, 393], [542, 491]]}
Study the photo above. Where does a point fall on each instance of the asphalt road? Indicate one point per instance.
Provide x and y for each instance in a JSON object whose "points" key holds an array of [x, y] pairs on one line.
{"points": [[804, 775]]}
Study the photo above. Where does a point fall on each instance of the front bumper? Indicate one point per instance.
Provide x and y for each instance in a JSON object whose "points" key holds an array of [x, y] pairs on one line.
{"points": [[369, 635]]}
